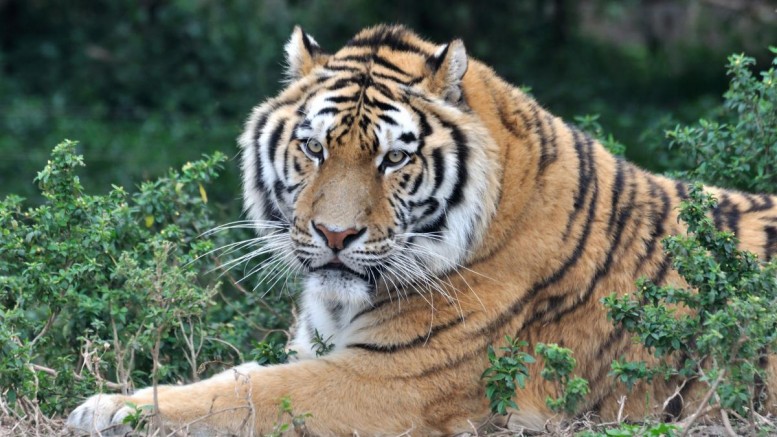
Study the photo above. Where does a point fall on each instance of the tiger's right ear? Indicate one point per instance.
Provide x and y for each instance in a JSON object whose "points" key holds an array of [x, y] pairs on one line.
{"points": [[302, 55]]}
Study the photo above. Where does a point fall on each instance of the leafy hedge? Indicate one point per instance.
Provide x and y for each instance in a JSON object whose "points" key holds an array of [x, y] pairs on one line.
{"points": [[95, 289]]}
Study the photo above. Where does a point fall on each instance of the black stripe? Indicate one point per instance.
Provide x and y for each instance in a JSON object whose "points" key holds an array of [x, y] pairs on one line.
{"points": [[548, 147], [726, 214], [771, 242], [438, 164], [385, 63], [417, 341], [376, 306], [585, 168], [383, 106], [449, 364], [426, 128], [345, 82], [388, 119], [389, 77], [259, 129], [508, 123], [389, 38], [407, 137], [657, 223], [760, 202], [382, 88], [342, 99], [331, 110], [732, 218], [717, 212], [286, 164], [434, 226], [363, 58], [274, 141], [682, 189], [462, 154], [617, 187], [341, 67], [296, 165], [417, 184]]}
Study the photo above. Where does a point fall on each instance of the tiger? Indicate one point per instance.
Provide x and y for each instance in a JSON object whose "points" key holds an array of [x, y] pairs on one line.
{"points": [[432, 209]]}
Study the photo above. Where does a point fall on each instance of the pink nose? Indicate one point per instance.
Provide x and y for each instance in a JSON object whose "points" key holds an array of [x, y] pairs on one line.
{"points": [[337, 240]]}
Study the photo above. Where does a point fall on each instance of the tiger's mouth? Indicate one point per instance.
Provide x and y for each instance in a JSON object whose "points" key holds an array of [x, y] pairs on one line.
{"points": [[338, 266]]}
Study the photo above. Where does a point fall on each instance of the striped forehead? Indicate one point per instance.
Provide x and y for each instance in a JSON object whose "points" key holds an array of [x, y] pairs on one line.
{"points": [[380, 127]]}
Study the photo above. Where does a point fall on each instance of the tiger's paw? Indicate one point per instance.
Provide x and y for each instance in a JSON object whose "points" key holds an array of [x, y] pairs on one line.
{"points": [[102, 414]]}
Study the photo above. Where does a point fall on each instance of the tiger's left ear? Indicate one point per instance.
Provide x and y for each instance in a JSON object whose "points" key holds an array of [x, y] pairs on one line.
{"points": [[447, 67], [302, 55]]}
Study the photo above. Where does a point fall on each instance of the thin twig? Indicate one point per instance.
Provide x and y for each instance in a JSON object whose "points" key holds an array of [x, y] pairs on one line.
{"points": [[686, 425], [621, 404], [727, 423], [46, 327], [54, 373]]}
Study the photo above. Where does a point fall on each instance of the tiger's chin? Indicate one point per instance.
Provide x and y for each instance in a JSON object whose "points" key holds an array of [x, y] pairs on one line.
{"points": [[339, 286]]}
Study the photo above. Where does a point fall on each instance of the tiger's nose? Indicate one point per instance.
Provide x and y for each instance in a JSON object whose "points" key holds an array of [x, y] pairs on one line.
{"points": [[338, 240]]}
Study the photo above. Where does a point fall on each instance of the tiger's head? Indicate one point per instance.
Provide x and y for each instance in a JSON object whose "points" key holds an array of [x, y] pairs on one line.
{"points": [[369, 169]]}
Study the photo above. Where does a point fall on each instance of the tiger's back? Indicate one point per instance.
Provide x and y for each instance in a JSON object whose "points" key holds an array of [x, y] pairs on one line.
{"points": [[434, 209]]}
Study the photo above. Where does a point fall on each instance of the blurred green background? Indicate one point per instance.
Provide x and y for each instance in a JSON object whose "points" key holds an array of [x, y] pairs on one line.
{"points": [[149, 84]]}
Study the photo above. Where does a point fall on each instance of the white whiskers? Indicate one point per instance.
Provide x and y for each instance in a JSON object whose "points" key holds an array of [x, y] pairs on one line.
{"points": [[273, 250]]}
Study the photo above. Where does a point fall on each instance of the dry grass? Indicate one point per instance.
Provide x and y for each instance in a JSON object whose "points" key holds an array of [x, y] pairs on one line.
{"points": [[36, 424]]}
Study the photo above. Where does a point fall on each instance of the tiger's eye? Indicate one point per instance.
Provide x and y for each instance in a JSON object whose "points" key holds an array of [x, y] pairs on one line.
{"points": [[395, 157], [315, 147]]}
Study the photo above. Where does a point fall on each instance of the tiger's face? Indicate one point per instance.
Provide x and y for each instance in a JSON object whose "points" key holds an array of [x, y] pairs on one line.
{"points": [[368, 171]]}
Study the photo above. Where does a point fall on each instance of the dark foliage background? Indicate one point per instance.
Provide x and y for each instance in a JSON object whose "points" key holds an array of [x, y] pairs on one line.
{"points": [[145, 85]]}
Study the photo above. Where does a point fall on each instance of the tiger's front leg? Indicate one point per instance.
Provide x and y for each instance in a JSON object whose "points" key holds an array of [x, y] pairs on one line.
{"points": [[344, 394]]}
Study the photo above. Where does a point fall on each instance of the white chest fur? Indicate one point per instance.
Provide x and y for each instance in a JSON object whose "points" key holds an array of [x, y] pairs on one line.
{"points": [[323, 319]]}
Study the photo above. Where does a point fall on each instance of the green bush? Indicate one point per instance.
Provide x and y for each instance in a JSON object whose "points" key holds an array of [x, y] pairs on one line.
{"points": [[725, 324], [722, 328], [736, 149], [505, 374], [559, 365], [116, 291]]}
